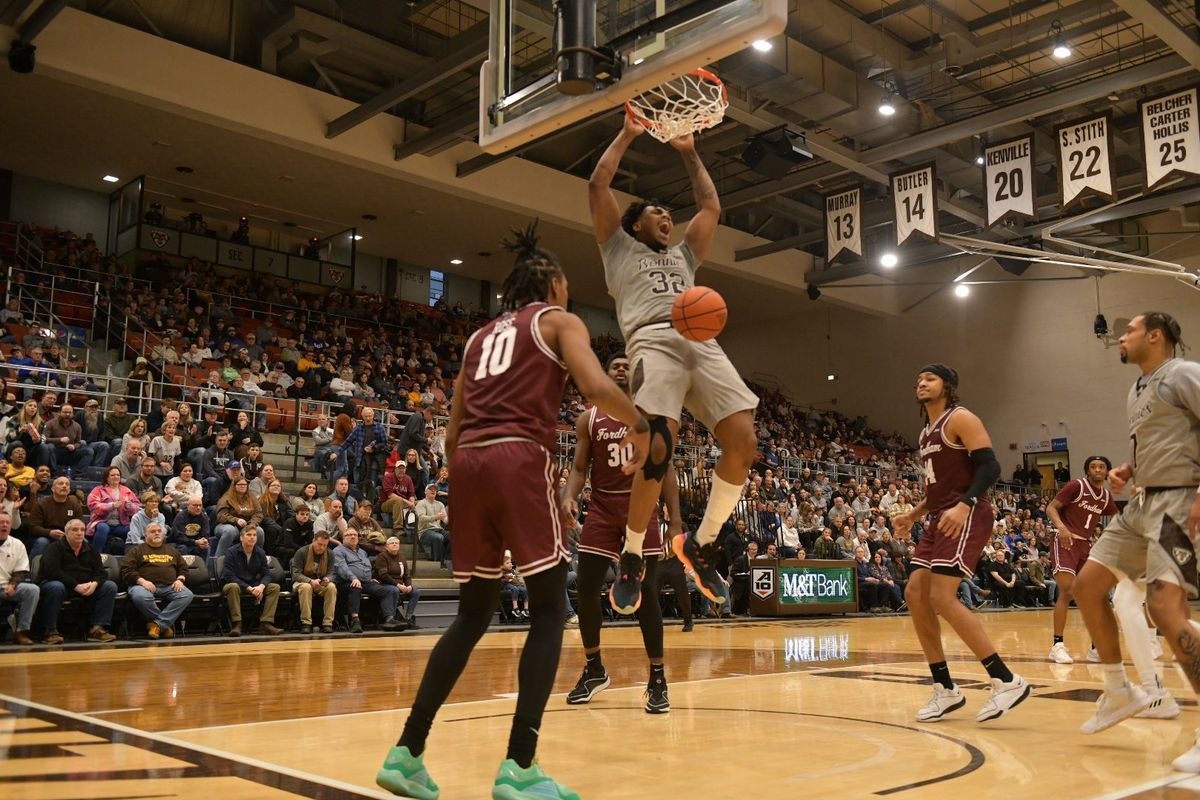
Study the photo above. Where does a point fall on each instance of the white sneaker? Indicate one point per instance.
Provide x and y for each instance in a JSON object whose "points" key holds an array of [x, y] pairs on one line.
{"points": [[1156, 648], [942, 703], [1059, 654], [1189, 761], [1115, 706], [1162, 705], [573, 621], [1005, 697], [1093, 655]]}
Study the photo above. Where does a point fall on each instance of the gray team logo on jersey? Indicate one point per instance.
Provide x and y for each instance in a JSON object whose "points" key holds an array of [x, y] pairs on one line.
{"points": [[1176, 542]]}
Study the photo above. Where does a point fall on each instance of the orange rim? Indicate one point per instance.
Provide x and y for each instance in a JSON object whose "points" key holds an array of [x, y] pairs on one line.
{"points": [[699, 72]]}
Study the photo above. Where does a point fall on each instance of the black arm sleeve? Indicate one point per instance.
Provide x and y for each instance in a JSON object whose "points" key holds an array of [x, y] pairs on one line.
{"points": [[987, 470]]}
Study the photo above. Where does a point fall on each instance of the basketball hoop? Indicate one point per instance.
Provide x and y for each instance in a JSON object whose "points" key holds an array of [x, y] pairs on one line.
{"points": [[692, 102]]}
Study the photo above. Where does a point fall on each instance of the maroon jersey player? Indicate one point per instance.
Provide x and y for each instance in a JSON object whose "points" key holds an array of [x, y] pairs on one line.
{"points": [[960, 467], [600, 449], [501, 446], [1075, 512]]}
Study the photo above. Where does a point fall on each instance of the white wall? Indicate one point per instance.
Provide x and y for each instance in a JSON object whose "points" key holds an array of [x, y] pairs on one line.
{"points": [[1025, 354], [597, 320], [461, 289], [368, 271], [413, 284], [55, 205]]}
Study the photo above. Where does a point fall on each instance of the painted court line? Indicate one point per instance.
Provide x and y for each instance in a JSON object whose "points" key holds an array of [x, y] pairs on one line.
{"points": [[112, 711], [362, 791]]}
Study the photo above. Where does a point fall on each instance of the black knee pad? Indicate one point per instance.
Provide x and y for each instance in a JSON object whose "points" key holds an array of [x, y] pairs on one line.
{"points": [[657, 470]]}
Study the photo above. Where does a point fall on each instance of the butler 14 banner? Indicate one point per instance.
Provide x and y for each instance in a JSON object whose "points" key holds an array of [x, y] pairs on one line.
{"points": [[1085, 159], [1170, 136], [914, 198], [843, 224], [1008, 180]]}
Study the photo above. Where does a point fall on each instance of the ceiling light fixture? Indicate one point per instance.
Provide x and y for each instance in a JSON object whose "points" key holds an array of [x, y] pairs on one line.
{"points": [[962, 290], [762, 45], [887, 105], [456, 261], [889, 260], [979, 160], [831, 377], [1061, 48], [111, 179], [358, 237]]}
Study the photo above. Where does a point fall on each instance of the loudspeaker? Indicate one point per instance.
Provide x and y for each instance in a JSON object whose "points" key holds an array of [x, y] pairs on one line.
{"points": [[1013, 266], [775, 153]]}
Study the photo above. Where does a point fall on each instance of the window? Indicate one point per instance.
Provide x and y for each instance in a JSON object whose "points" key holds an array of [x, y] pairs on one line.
{"points": [[437, 286]]}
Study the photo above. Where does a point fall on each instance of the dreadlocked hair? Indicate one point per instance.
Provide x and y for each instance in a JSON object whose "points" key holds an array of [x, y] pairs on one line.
{"points": [[532, 270], [1162, 321]]}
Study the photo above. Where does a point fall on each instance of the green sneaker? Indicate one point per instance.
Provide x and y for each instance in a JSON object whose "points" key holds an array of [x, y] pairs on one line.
{"points": [[405, 775], [515, 783]]}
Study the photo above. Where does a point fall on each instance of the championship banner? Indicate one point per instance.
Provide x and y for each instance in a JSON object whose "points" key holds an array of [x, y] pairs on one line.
{"points": [[1086, 160], [1008, 180], [1170, 136], [914, 197], [843, 224]]}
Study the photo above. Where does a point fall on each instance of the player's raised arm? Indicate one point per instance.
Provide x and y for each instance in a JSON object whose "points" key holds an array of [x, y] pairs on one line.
{"points": [[606, 211], [567, 331], [703, 226]]}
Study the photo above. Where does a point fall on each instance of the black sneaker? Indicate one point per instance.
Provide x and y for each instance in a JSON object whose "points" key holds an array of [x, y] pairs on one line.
{"points": [[356, 625], [702, 560], [588, 687], [626, 591], [656, 696], [688, 627]]}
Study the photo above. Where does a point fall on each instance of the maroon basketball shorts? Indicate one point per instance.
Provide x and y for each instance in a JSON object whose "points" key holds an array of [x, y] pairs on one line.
{"points": [[604, 528], [936, 550], [508, 501], [1070, 560]]}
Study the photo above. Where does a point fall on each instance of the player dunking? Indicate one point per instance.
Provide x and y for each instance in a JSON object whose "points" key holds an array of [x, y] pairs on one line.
{"points": [[645, 273], [501, 440], [598, 447], [960, 466], [1154, 535]]}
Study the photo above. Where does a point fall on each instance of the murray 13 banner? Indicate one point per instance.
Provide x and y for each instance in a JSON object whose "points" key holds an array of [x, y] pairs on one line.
{"points": [[1085, 159], [914, 198], [1170, 136], [1008, 180], [843, 224]]}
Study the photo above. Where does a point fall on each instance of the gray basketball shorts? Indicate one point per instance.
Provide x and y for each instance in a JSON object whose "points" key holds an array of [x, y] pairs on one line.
{"points": [[1149, 540], [668, 372]]}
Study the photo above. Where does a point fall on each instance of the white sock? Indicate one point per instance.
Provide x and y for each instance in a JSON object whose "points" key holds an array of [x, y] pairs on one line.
{"points": [[633, 541], [1127, 605], [1114, 677], [722, 499]]}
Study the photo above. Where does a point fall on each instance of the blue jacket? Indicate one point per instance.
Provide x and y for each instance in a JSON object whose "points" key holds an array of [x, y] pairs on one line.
{"points": [[355, 442], [246, 572], [350, 564]]}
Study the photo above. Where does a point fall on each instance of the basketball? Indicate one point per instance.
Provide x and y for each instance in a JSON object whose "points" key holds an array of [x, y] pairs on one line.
{"points": [[699, 314]]}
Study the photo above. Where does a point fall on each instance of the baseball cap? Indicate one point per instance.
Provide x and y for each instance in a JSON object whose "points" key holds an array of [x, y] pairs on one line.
{"points": [[234, 464], [92, 403]]}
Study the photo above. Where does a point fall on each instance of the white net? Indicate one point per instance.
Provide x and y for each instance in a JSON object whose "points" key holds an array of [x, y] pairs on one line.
{"points": [[683, 105]]}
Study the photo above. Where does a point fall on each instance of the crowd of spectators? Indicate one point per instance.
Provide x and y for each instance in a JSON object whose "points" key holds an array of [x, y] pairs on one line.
{"points": [[187, 461]]}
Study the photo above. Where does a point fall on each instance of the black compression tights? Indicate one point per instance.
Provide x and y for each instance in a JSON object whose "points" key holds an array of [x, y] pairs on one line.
{"points": [[477, 604], [592, 570]]}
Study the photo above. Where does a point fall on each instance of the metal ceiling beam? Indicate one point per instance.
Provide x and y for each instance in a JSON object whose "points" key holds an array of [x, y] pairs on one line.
{"points": [[40, 18], [1060, 99], [13, 12], [1135, 208], [455, 129], [469, 47], [1164, 28], [525, 15]]}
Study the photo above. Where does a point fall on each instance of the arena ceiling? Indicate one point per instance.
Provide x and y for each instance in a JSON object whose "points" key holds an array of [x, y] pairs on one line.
{"points": [[960, 69]]}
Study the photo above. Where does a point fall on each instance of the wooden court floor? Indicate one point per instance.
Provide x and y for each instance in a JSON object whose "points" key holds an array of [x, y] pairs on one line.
{"points": [[760, 709]]}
